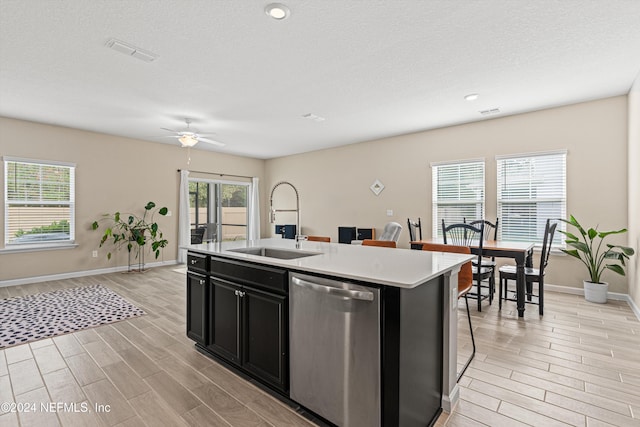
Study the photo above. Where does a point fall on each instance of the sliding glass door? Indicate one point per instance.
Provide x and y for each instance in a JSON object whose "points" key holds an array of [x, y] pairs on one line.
{"points": [[220, 208]]}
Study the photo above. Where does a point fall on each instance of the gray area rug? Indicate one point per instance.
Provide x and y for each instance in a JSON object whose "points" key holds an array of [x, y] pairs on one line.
{"points": [[34, 317]]}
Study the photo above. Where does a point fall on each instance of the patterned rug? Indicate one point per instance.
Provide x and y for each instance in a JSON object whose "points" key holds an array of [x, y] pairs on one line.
{"points": [[34, 317]]}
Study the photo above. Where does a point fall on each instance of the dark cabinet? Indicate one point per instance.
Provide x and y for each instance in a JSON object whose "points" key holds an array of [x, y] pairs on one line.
{"points": [[197, 305], [248, 319], [224, 331], [264, 328]]}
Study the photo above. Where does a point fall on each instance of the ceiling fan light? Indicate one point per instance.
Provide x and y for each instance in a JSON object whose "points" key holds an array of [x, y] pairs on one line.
{"points": [[188, 140]]}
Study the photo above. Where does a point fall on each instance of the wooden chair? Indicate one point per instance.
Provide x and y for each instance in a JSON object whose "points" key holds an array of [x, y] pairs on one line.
{"points": [[413, 228], [532, 275], [319, 239], [467, 235], [381, 243], [489, 231], [465, 283]]}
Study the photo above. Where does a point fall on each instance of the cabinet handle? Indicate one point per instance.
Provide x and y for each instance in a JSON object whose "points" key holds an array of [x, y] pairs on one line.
{"points": [[194, 261], [201, 282], [236, 292]]}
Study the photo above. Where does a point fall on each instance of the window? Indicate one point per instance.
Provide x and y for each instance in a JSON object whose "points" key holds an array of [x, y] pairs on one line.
{"points": [[458, 192], [39, 202], [531, 188], [220, 208]]}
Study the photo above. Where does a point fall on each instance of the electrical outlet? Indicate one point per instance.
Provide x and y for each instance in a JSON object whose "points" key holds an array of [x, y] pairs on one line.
{"points": [[94, 254], [389, 212]]}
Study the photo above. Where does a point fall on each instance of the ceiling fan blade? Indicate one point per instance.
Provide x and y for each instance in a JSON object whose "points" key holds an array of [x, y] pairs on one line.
{"points": [[170, 130], [210, 141]]}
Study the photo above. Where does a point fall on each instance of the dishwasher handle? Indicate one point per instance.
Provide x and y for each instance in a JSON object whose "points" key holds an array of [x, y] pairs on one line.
{"points": [[340, 292]]}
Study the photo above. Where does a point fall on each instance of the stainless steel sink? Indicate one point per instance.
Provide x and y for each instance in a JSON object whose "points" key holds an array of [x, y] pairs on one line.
{"points": [[274, 252]]}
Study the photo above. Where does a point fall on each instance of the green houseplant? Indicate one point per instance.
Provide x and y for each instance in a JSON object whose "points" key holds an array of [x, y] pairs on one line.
{"points": [[129, 229], [589, 249]]}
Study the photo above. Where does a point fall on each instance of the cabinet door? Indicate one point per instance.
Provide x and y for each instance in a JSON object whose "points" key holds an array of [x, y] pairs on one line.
{"points": [[197, 307], [224, 327], [264, 330]]}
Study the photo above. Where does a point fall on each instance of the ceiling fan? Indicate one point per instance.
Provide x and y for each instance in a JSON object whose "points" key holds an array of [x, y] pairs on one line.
{"points": [[190, 137]]}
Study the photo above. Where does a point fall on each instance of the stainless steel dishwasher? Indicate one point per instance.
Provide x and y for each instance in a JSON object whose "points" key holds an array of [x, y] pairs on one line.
{"points": [[334, 349]]}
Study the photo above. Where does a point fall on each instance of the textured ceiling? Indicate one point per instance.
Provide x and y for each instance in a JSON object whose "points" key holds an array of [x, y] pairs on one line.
{"points": [[371, 68]]}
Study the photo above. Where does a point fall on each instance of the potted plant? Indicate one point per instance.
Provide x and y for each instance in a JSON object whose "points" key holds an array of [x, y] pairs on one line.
{"points": [[589, 249], [129, 229]]}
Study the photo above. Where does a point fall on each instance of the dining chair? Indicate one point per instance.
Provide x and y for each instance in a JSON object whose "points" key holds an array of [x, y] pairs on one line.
{"points": [[465, 283], [462, 234], [413, 227], [391, 232], [197, 235], [319, 239], [489, 231], [532, 275], [380, 243]]}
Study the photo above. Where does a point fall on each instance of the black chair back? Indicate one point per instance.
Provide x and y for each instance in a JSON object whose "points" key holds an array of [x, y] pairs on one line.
{"points": [[490, 230], [413, 227], [549, 231], [197, 234], [462, 235]]}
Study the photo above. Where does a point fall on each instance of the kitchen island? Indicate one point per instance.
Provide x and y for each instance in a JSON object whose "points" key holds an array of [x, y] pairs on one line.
{"points": [[345, 331]]}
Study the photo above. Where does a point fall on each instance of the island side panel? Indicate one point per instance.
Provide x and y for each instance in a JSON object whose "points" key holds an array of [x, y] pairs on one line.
{"points": [[413, 354], [421, 364], [450, 390]]}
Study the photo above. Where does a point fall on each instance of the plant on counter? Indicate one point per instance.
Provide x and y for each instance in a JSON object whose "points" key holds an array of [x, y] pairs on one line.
{"points": [[127, 229]]}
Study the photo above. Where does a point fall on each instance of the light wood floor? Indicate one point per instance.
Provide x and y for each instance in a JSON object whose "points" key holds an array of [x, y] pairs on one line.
{"points": [[578, 365]]}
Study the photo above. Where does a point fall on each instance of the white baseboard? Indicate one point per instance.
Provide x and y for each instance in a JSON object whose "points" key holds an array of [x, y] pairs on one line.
{"points": [[614, 296], [74, 274], [634, 307]]}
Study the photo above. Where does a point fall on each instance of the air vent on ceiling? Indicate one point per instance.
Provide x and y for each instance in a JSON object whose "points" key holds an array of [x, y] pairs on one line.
{"points": [[313, 117], [131, 50], [490, 112]]}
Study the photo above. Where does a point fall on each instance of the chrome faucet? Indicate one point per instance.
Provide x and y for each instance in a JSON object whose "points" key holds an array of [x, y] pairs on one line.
{"points": [[272, 216]]}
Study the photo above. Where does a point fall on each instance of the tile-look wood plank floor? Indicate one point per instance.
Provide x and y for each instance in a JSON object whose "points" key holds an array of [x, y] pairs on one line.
{"points": [[578, 365]]}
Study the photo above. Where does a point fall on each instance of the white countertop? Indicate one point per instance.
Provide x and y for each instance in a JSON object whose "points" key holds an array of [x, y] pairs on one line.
{"points": [[404, 268]]}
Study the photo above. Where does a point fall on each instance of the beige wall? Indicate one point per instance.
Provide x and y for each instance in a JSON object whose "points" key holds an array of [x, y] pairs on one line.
{"points": [[113, 173], [334, 183], [634, 190]]}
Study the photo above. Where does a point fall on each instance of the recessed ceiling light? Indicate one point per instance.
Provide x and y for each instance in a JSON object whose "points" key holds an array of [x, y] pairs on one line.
{"points": [[277, 11], [471, 97]]}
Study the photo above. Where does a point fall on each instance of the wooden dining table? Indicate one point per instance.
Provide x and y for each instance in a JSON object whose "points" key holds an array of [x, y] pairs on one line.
{"points": [[521, 252]]}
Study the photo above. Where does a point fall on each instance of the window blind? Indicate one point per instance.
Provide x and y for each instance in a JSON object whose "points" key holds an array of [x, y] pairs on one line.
{"points": [[531, 188], [458, 193], [39, 202]]}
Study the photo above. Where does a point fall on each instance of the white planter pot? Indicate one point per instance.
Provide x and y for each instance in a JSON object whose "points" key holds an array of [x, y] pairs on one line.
{"points": [[596, 292]]}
